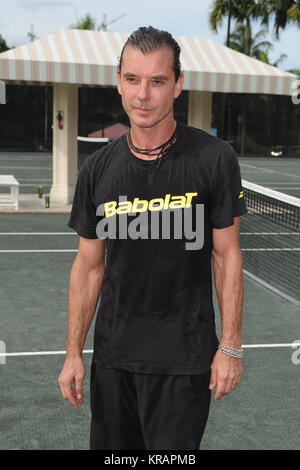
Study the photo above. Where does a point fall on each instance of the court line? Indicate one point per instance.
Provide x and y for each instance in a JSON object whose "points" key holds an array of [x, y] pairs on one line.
{"points": [[38, 251], [34, 185], [38, 233], [271, 249], [268, 286], [41, 353], [282, 187], [268, 170], [25, 159], [90, 351], [26, 167], [274, 345], [73, 251], [73, 233], [276, 183], [268, 233]]}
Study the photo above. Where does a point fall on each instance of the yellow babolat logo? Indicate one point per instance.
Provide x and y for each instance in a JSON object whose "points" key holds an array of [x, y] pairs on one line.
{"points": [[141, 205], [241, 194]]}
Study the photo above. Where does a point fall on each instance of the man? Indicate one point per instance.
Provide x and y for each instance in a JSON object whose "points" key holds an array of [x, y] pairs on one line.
{"points": [[156, 356]]}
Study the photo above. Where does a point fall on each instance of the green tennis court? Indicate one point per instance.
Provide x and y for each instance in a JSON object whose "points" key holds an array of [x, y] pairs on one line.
{"points": [[36, 254], [262, 413], [30, 169], [279, 174], [35, 169]]}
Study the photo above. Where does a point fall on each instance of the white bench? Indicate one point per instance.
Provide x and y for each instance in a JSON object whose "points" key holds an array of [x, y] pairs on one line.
{"points": [[12, 199]]}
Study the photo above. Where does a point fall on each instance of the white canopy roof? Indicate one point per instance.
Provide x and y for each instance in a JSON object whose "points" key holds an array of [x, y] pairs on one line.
{"points": [[90, 58]]}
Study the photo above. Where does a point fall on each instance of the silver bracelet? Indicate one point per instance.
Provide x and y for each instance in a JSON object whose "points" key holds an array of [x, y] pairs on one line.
{"points": [[238, 353]]}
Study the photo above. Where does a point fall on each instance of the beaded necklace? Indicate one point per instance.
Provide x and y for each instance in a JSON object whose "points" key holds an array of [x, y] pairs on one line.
{"points": [[159, 152]]}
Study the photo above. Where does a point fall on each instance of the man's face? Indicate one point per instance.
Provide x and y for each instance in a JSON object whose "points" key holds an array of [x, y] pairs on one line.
{"points": [[147, 85]]}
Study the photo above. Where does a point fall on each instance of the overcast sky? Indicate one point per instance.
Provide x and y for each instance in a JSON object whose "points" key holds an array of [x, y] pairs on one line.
{"points": [[180, 17]]}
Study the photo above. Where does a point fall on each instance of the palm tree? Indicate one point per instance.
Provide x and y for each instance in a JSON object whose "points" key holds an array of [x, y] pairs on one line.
{"points": [[294, 13], [264, 57], [259, 50], [243, 12], [295, 71], [283, 11], [87, 22], [255, 45], [3, 45]]}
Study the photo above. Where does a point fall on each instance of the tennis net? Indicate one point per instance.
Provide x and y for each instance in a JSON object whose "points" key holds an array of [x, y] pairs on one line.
{"points": [[270, 240]]}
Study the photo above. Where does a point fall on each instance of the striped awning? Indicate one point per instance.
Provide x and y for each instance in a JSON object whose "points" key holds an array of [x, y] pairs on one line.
{"points": [[90, 58], [2, 93]]}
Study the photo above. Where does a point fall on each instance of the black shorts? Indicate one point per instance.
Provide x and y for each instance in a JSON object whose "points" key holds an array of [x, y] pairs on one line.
{"points": [[147, 411]]}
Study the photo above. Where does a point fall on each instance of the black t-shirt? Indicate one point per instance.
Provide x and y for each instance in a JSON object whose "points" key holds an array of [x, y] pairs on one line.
{"points": [[156, 312]]}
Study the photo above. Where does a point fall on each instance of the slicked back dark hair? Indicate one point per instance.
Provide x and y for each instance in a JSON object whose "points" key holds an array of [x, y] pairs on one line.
{"points": [[148, 39]]}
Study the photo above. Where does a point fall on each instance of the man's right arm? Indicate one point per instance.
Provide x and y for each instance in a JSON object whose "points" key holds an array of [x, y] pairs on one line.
{"points": [[86, 279]]}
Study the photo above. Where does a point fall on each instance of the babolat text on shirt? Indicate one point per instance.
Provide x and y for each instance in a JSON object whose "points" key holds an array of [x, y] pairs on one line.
{"points": [[171, 217]]}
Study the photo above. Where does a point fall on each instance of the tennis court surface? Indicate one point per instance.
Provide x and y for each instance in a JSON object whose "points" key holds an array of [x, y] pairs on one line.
{"points": [[37, 251]]}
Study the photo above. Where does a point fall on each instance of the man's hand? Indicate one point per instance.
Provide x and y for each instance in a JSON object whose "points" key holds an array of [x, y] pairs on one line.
{"points": [[71, 381], [226, 372]]}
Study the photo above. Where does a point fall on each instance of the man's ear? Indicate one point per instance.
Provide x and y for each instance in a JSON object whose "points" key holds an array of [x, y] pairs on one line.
{"points": [[178, 86], [119, 83]]}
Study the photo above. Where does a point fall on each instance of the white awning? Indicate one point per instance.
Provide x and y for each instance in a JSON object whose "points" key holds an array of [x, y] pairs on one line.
{"points": [[90, 58]]}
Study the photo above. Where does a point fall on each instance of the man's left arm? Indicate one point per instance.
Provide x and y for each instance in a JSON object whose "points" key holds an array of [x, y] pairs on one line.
{"points": [[226, 370]]}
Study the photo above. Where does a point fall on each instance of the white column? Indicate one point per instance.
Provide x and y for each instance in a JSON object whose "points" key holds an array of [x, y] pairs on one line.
{"points": [[2, 93], [200, 109], [65, 100]]}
